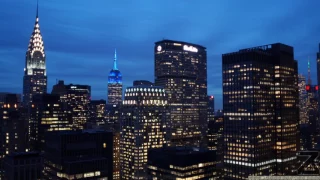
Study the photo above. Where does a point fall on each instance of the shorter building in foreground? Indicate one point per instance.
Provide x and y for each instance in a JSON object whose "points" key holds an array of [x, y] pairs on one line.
{"points": [[78, 155], [181, 163], [23, 166], [308, 163]]}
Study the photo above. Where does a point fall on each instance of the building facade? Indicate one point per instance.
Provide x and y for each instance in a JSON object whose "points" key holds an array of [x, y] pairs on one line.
{"points": [[97, 110], [302, 99], [181, 68], [46, 114], [13, 127], [210, 135], [115, 84], [78, 155], [23, 166], [181, 163], [261, 115], [35, 73], [143, 126], [76, 99]]}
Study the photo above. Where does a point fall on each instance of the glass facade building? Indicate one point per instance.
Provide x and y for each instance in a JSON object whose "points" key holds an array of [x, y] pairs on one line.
{"points": [[143, 126], [261, 113], [181, 68], [35, 74]]}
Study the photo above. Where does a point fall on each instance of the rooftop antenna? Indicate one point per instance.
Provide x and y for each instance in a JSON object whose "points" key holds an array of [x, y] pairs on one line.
{"points": [[309, 73]]}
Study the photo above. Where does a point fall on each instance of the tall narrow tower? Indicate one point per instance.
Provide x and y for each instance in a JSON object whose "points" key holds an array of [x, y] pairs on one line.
{"points": [[309, 72], [115, 84], [35, 75]]}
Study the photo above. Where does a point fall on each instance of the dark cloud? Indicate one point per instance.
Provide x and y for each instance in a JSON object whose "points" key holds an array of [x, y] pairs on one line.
{"points": [[80, 36]]}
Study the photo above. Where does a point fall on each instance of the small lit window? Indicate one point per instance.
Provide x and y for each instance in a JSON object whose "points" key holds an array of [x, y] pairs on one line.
{"points": [[104, 145]]}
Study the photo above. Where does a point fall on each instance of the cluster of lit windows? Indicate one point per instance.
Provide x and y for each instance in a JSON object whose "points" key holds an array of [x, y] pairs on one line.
{"points": [[142, 128]]}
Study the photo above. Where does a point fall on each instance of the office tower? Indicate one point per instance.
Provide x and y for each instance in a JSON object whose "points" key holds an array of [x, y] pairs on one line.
{"points": [[210, 115], [210, 121], [23, 166], [261, 115], [13, 127], [181, 68], [97, 110], [35, 73], [76, 99], [311, 128], [46, 114], [215, 132], [81, 154], [181, 163], [143, 126], [115, 84], [302, 99]]}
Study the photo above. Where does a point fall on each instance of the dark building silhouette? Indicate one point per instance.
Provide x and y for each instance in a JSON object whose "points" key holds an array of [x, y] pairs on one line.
{"points": [[181, 68], [170, 163], [97, 110], [46, 114], [13, 127], [261, 115], [35, 73], [210, 121], [78, 154], [142, 82], [23, 166], [308, 162], [76, 99], [143, 126]]}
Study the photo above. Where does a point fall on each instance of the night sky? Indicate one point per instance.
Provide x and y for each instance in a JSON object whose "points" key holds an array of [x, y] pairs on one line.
{"points": [[80, 36]]}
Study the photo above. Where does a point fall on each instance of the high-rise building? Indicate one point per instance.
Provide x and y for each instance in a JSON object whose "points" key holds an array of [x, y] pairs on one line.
{"points": [[35, 73], [302, 99], [76, 99], [181, 68], [85, 154], [13, 127], [181, 163], [97, 112], [143, 126], [261, 115], [46, 114], [210, 121], [115, 84]]}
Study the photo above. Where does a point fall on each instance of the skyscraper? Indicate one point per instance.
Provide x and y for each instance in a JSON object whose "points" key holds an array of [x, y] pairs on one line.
{"points": [[35, 74], [76, 99], [115, 84], [302, 99], [46, 114], [97, 112], [143, 127], [260, 104], [181, 68]]}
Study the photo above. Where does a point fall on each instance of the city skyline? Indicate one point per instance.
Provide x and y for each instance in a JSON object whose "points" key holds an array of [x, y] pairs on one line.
{"points": [[129, 27]]}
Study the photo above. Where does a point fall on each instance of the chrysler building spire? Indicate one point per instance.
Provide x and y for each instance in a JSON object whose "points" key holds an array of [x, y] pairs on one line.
{"points": [[35, 74]]}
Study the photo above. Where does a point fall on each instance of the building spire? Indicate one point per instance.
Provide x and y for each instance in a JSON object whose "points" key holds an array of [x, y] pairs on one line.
{"points": [[37, 9], [115, 60], [309, 73]]}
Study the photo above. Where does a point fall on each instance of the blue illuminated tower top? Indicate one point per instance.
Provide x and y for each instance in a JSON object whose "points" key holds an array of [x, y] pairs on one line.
{"points": [[115, 76]]}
